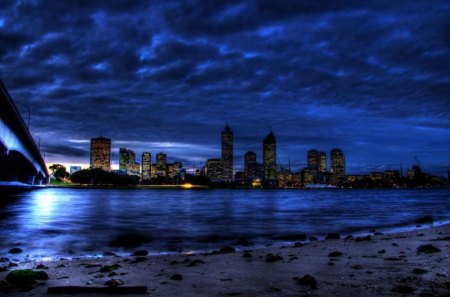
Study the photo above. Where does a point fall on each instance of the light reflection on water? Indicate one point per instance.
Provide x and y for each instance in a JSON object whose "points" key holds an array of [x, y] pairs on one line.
{"points": [[53, 222]]}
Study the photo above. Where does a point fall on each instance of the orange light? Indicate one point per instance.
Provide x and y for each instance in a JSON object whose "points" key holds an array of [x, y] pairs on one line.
{"points": [[187, 186]]}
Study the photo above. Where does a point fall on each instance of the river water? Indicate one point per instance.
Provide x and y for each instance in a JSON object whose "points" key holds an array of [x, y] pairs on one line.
{"points": [[57, 222]]}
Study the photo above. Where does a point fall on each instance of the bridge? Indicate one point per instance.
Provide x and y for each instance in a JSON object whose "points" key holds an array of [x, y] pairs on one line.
{"points": [[21, 162]]}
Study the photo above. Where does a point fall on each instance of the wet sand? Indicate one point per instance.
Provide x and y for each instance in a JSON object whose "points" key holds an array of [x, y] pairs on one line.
{"points": [[379, 265]]}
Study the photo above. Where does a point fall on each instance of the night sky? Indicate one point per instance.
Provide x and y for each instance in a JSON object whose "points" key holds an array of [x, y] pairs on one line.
{"points": [[369, 77]]}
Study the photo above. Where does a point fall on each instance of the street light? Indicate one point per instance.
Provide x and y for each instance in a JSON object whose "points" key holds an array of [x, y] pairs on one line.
{"points": [[29, 112]]}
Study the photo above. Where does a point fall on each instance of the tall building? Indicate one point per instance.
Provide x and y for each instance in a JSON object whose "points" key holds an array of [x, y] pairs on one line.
{"points": [[250, 164], [134, 169], [317, 161], [101, 153], [322, 161], [337, 165], [146, 165], [126, 160], [214, 169], [270, 156], [161, 164], [227, 152], [313, 160]]}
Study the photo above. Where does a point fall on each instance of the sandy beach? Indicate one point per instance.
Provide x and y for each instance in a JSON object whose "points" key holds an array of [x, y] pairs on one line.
{"points": [[411, 263]]}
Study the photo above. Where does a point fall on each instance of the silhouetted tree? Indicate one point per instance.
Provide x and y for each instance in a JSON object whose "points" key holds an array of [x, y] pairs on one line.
{"points": [[59, 171]]}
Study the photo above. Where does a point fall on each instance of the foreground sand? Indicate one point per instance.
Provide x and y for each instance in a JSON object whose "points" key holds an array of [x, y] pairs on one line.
{"points": [[384, 265]]}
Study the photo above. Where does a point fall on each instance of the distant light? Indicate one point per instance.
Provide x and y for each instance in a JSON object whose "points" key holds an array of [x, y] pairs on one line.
{"points": [[187, 186]]}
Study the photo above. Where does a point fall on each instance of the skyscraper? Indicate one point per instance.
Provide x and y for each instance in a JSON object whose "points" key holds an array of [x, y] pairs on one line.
{"points": [[214, 168], [126, 160], [101, 153], [161, 164], [227, 152], [313, 160], [322, 161], [317, 161], [250, 164], [146, 165], [270, 156], [337, 165]]}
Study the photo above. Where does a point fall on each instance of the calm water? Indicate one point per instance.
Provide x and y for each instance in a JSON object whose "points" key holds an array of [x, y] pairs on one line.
{"points": [[64, 222]]}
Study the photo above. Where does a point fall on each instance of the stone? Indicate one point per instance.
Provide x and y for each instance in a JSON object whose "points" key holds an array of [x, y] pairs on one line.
{"points": [[227, 249], [363, 238], [109, 268], [176, 277], [307, 280], [298, 244], [427, 249], [332, 236], [247, 254], [425, 220], [139, 260], [114, 282], [15, 250], [312, 238], [140, 253], [273, 258], [419, 271], [4, 285], [129, 240], [335, 254], [25, 278], [403, 289], [41, 266]]}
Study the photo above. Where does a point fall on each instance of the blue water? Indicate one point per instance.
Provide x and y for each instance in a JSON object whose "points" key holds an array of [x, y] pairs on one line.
{"points": [[73, 222]]}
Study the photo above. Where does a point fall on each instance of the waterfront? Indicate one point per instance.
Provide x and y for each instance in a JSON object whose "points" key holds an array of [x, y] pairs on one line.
{"points": [[76, 222]]}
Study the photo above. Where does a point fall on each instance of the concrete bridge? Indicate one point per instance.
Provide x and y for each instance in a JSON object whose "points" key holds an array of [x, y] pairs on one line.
{"points": [[21, 162]]}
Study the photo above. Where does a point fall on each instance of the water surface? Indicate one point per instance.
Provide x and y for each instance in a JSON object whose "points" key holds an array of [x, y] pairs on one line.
{"points": [[62, 222]]}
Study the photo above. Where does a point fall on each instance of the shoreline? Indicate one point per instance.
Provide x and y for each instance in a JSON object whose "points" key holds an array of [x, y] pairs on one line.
{"points": [[11, 189], [33, 257], [376, 265]]}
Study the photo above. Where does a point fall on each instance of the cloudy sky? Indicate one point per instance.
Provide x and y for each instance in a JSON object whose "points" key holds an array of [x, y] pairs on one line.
{"points": [[369, 77]]}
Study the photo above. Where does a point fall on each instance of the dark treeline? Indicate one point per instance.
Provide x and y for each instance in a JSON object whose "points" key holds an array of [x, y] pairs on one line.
{"points": [[100, 177]]}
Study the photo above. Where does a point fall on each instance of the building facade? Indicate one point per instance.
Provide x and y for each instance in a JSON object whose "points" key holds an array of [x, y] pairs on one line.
{"points": [[250, 164], [317, 161], [313, 160], [146, 165], [322, 162], [101, 153], [337, 166], [161, 164], [127, 158], [227, 152], [270, 157], [214, 169]]}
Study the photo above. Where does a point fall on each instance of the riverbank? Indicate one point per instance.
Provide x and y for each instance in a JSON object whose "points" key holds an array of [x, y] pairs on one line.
{"points": [[413, 262], [137, 187]]}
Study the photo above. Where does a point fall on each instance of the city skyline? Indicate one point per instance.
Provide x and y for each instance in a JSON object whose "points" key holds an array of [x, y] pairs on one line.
{"points": [[266, 167], [313, 159], [370, 78]]}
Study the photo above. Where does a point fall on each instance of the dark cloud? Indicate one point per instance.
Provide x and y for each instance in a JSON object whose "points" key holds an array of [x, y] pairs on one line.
{"points": [[370, 77]]}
